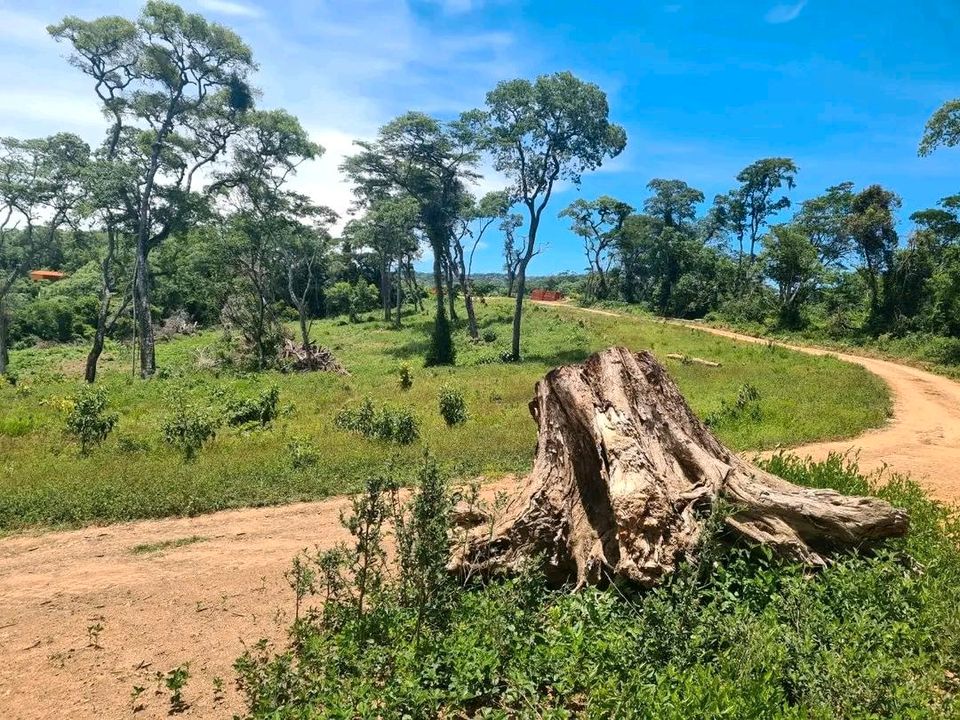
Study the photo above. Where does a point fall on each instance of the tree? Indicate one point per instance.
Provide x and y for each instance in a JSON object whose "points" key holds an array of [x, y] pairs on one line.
{"points": [[175, 86], [511, 253], [304, 254], [824, 220], [555, 128], [791, 262], [475, 219], [746, 210], [673, 202], [430, 161], [943, 128], [266, 228], [872, 227], [387, 229], [39, 191], [599, 223]]}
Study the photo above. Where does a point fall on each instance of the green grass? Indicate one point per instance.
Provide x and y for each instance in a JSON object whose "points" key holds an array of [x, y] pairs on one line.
{"points": [[150, 548], [737, 634], [45, 482]]}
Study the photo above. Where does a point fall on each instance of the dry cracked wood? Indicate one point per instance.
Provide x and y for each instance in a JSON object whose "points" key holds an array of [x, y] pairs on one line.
{"points": [[625, 476]]}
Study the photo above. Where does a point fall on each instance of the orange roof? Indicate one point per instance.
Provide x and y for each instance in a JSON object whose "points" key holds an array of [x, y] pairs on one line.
{"points": [[37, 275]]}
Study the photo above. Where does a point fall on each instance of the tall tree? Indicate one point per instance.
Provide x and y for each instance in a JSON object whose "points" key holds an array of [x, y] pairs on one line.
{"points": [[555, 128], [175, 86], [673, 202], [430, 161], [759, 183], [387, 230], [39, 191], [791, 262], [474, 221], [266, 226], [824, 220], [872, 227], [599, 223], [943, 128]]}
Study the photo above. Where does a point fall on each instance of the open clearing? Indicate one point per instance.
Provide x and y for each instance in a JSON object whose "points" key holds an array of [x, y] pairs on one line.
{"points": [[217, 579]]}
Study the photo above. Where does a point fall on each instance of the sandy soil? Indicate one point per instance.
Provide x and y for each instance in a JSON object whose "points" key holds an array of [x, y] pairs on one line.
{"points": [[198, 603]]}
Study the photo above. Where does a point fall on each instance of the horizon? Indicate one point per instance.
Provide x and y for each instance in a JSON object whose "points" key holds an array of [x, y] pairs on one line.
{"points": [[702, 90]]}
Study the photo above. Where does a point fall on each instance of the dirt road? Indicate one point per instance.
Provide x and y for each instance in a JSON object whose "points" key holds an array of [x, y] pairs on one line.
{"points": [[84, 619]]}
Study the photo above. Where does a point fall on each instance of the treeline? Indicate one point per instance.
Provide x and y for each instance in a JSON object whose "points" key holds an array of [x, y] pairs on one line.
{"points": [[838, 265], [186, 208], [187, 205]]}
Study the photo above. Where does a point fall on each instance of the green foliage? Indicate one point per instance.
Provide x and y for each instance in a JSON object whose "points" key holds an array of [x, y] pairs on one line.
{"points": [[737, 633], [406, 379], [453, 408], [175, 681], [260, 410], [746, 404], [88, 421], [189, 427], [303, 453], [397, 425], [351, 299]]}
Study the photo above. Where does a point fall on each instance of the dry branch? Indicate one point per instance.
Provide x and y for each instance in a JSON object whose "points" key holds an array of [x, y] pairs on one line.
{"points": [[694, 360], [625, 476]]}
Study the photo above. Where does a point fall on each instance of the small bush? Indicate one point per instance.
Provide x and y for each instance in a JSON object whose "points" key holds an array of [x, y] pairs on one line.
{"points": [[303, 453], [381, 423], [189, 428], [453, 408], [489, 336], [746, 404], [88, 420], [406, 379], [260, 410]]}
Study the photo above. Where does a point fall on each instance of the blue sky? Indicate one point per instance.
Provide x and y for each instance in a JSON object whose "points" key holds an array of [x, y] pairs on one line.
{"points": [[702, 88]]}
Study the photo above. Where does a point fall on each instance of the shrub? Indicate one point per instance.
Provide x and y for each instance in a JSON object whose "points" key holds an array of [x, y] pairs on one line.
{"points": [[406, 379], [381, 423], [736, 634], [189, 428], [489, 336], [453, 408], [88, 420], [260, 410], [303, 453], [747, 403]]}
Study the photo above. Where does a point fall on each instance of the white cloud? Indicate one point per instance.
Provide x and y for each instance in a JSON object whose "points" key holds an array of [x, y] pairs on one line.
{"points": [[785, 13], [228, 7]]}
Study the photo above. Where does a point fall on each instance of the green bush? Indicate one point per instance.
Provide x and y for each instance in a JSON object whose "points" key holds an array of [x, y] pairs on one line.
{"points": [[381, 423], [17, 426], [189, 428], [453, 408], [88, 421], [303, 453], [260, 410], [406, 379], [746, 404], [738, 634]]}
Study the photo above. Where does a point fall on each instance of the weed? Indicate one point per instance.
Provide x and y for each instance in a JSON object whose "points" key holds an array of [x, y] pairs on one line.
{"points": [[406, 379], [303, 453], [93, 635], [746, 404], [175, 681], [136, 705]]}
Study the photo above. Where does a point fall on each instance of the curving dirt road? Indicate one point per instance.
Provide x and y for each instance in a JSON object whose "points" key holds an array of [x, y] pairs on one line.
{"points": [[84, 620]]}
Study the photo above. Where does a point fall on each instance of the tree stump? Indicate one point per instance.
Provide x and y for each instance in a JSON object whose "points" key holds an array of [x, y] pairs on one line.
{"points": [[625, 476]]}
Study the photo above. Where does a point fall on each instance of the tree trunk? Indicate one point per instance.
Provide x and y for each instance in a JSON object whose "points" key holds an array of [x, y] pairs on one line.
{"points": [[385, 298], [451, 296], [521, 288], [4, 352], [625, 476], [399, 283], [93, 357], [141, 299]]}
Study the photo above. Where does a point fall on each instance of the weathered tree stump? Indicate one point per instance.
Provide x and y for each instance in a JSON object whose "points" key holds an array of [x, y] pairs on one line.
{"points": [[626, 475]]}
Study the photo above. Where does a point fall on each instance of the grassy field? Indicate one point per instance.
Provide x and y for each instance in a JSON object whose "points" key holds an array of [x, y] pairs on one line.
{"points": [[45, 481]]}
